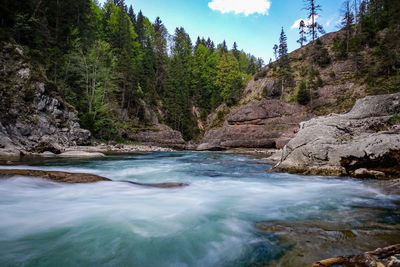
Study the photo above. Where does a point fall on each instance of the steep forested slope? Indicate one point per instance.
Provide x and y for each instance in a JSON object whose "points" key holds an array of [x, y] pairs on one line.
{"points": [[123, 73]]}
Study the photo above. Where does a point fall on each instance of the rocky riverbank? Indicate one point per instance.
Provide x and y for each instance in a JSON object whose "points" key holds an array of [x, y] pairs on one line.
{"points": [[363, 143]]}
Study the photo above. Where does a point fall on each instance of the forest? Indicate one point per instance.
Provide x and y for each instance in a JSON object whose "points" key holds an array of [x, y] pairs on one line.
{"points": [[111, 63]]}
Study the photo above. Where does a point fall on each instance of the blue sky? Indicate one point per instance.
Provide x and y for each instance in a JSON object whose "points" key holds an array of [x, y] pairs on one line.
{"points": [[254, 24]]}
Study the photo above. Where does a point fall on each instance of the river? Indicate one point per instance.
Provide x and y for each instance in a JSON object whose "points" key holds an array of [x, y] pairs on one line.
{"points": [[233, 213]]}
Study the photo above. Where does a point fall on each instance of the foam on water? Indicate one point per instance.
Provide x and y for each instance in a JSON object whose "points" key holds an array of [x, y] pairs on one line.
{"points": [[210, 222]]}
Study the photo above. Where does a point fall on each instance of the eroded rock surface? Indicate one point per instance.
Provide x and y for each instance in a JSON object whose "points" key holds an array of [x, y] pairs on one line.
{"points": [[161, 135], [263, 124], [365, 142]]}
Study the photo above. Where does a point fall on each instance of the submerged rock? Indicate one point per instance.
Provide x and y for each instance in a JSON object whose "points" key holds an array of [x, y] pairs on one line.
{"points": [[76, 178], [365, 142], [160, 185], [81, 154], [56, 176], [381, 257], [306, 242]]}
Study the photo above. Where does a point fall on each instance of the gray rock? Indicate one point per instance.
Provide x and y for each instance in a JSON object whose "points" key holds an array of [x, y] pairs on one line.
{"points": [[348, 143]]}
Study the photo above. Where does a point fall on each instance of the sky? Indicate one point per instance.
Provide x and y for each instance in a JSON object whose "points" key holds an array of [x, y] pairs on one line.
{"points": [[255, 25]]}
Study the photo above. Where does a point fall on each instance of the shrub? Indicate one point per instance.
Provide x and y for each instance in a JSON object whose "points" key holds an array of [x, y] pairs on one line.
{"points": [[303, 97]]}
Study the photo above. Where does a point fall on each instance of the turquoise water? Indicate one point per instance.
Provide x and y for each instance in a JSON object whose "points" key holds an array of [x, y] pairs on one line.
{"points": [[212, 222]]}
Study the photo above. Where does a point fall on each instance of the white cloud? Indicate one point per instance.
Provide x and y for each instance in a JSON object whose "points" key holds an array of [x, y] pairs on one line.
{"points": [[246, 7], [296, 24]]}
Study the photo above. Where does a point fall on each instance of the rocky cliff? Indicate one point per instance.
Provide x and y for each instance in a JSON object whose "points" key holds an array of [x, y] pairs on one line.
{"points": [[32, 117], [261, 124], [365, 142]]}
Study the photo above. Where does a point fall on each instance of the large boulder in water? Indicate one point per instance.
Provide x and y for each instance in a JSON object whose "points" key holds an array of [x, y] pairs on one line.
{"points": [[365, 142]]}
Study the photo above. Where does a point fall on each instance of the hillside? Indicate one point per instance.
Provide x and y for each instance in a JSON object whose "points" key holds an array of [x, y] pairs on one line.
{"points": [[268, 114]]}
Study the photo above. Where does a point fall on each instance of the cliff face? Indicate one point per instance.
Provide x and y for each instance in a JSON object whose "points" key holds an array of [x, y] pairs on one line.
{"points": [[268, 114], [33, 119], [261, 124]]}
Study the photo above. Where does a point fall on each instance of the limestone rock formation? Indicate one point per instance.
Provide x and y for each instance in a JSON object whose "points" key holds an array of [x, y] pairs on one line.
{"points": [[262, 124], [160, 135], [32, 117], [365, 142]]}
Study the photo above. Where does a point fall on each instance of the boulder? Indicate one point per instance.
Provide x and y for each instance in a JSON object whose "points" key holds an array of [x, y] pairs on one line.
{"points": [[365, 142], [262, 124], [160, 135]]}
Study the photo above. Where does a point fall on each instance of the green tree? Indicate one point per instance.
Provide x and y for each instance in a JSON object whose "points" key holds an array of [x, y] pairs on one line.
{"points": [[229, 79], [302, 32], [303, 97], [313, 10], [204, 69]]}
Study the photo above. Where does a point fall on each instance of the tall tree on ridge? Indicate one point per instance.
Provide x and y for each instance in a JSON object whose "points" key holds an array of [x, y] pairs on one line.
{"points": [[302, 32], [314, 27], [235, 51], [347, 23], [275, 51], [132, 15]]}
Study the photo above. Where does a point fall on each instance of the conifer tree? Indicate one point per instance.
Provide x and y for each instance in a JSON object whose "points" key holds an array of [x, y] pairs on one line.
{"points": [[132, 15], [347, 23], [235, 51], [229, 78], [275, 48], [314, 27], [302, 32]]}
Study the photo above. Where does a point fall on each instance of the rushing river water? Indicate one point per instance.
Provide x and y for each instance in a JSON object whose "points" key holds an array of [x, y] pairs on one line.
{"points": [[233, 213]]}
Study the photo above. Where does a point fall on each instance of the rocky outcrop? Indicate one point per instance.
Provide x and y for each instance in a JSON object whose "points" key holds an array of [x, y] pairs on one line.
{"points": [[160, 135], [365, 142], [77, 178], [262, 124], [33, 119]]}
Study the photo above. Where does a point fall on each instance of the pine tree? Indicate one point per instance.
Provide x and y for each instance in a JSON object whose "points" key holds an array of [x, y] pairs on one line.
{"points": [[283, 48], [314, 27], [178, 85], [161, 55], [132, 15], [235, 51], [347, 23], [285, 73], [204, 69], [275, 48], [223, 48], [302, 32]]}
